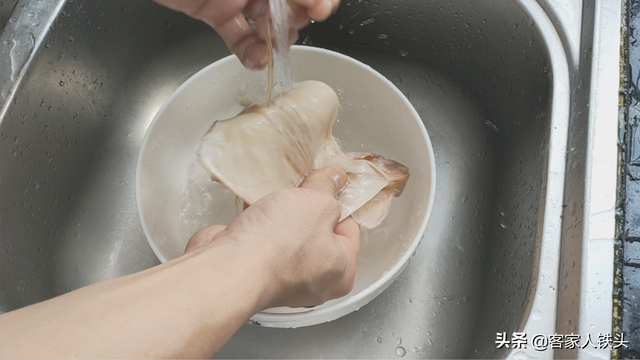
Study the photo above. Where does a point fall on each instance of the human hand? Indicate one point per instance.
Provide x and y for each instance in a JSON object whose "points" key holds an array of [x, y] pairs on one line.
{"points": [[287, 249], [226, 18], [310, 257]]}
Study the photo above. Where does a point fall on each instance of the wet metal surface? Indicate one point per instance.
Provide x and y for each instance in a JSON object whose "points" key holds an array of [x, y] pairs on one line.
{"points": [[502, 87], [6, 7], [630, 316], [489, 81]]}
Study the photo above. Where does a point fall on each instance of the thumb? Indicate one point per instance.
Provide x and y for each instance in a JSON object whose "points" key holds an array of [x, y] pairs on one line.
{"points": [[203, 237], [328, 179]]}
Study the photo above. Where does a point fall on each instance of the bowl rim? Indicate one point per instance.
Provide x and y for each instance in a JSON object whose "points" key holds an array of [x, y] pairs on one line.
{"points": [[320, 313]]}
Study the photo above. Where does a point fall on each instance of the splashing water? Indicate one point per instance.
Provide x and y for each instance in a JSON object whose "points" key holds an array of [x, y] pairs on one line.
{"points": [[204, 202], [281, 65]]}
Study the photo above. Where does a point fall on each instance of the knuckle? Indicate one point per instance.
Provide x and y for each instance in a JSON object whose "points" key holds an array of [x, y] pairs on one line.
{"points": [[345, 287], [320, 198], [306, 195], [330, 203]]}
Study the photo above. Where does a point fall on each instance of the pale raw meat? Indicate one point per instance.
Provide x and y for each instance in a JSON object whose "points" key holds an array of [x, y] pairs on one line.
{"points": [[269, 148], [375, 210]]}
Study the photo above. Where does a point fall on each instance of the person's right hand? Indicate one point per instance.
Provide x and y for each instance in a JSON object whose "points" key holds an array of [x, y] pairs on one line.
{"points": [[287, 249], [227, 19], [311, 257]]}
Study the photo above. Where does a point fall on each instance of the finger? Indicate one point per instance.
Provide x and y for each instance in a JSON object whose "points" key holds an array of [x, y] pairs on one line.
{"points": [[348, 231], [243, 41], [329, 179], [212, 12], [256, 9], [187, 7], [300, 21], [261, 31], [298, 16], [322, 9], [293, 36], [255, 55], [203, 237], [228, 21]]}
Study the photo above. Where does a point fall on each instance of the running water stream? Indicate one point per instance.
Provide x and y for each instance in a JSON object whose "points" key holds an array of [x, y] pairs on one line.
{"points": [[205, 202], [280, 56]]}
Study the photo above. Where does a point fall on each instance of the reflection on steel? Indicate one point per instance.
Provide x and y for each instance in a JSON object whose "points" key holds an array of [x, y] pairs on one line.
{"points": [[82, 80]]}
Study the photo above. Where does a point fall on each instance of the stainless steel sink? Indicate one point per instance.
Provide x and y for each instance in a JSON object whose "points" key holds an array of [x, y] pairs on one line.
{"points": [[499, 85]]}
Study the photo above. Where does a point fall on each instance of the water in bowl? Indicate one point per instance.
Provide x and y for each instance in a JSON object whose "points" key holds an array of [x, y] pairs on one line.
{"points": [[205, 202]]}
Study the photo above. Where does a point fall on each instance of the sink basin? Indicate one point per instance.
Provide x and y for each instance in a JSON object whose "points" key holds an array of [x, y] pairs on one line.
{"points": [[490, 80]]}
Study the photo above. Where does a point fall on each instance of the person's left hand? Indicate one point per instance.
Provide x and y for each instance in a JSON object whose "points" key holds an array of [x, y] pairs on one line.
{"points": [[226, 17]]}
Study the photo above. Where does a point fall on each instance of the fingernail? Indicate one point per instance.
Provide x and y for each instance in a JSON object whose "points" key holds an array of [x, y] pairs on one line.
{"points": [[339, 177], [265, 58], [257, 63], [328, 4], [323, 10]]}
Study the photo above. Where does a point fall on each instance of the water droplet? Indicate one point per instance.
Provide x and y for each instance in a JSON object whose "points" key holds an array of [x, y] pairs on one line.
{"points": [[22, 46], [399, 341], [536, 315], [492, 126], [367, 22], [521, 355], [379, 340], [383, 36], [62, 82], [400, 351], [404, 53]]}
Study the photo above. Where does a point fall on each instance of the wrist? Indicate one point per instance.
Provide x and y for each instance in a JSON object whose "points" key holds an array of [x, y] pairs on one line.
{"points": [[243, 273]]}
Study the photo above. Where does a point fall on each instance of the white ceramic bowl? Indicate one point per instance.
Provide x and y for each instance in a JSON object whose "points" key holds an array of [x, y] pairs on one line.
{"points": [[175, 196]]}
